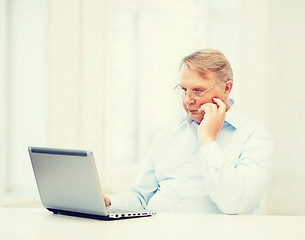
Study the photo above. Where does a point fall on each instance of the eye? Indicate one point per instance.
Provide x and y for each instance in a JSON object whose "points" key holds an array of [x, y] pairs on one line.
{"points": [[198, 92]]}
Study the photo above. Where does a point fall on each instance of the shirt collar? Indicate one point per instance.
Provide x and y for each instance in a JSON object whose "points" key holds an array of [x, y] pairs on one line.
{"points": [[187, 118], [232, 116]]}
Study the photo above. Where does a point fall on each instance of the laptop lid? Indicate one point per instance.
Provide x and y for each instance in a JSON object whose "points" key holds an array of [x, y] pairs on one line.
{"points": [[67, 180]]}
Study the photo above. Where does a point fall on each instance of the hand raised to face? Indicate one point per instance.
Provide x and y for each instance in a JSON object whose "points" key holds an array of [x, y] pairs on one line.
{"points": [[214, 116]]}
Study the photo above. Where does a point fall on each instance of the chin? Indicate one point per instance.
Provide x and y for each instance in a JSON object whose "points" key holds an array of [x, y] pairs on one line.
{"points": [[196, 118]]}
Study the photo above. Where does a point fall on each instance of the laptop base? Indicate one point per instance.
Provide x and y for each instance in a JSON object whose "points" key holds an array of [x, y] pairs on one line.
{"points": [[91, 216]]}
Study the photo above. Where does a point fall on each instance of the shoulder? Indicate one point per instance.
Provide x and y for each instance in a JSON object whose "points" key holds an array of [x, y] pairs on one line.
{"points": [[248, 125], [174, 129]]}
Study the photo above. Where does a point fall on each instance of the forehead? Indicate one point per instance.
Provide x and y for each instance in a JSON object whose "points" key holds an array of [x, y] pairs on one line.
{"points": [[192, 79]]}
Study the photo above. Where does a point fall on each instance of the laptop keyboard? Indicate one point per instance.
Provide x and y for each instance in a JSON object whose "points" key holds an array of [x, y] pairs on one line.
{"points": [[116, 211]]}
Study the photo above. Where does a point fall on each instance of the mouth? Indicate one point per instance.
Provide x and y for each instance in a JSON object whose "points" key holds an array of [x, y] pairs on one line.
{"points": [[193, 111]]}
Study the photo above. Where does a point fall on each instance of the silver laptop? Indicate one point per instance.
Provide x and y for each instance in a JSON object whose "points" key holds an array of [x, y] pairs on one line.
{"points": [[68, 184]]}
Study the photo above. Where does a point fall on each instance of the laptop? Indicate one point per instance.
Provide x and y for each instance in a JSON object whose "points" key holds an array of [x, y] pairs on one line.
{"points": [[68, 184]]}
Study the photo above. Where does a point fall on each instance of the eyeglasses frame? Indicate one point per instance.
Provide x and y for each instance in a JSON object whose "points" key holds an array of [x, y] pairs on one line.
{"points": [[191, 92]]}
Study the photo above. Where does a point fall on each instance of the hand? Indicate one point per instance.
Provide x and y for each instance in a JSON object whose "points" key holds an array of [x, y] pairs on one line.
{"points": [[214, 116], [107, 201]]}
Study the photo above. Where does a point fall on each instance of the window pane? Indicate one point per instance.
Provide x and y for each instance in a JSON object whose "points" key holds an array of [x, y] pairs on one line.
{"points": [[121, 83], [145, 46]]}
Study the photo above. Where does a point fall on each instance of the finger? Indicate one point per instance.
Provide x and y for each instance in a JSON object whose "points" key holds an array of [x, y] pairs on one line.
{"points": [[213, 105], [107, 201], [206, 110], [208, 107], [222, 107]]}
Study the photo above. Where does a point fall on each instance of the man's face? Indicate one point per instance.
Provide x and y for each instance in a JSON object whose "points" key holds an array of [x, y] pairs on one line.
{"points": [[191, 80]]}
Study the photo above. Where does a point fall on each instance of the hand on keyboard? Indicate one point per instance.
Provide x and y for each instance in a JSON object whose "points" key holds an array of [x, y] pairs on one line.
{"points": [[107, 201]]}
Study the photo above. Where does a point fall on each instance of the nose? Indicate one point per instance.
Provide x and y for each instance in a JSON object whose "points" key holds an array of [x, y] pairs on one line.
{"points": [[187, 100]]}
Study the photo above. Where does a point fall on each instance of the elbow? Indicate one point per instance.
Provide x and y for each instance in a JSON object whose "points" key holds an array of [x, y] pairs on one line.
{"points": [[242, 204], [232, 210]]}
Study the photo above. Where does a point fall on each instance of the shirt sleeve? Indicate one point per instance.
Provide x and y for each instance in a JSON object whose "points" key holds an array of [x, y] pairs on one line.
{"points": [[238, 185], [143, 188]]}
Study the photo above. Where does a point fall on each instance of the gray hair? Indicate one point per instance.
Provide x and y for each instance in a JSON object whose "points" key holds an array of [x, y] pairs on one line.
{"points": [[209, 60]]}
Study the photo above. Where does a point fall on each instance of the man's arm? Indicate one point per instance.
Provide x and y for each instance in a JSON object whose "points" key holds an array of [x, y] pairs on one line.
{"points": [[140, 192], [235, 185]]}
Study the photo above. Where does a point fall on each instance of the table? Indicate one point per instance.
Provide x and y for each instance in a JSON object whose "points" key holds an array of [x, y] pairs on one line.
{"points": [[38, 223]]}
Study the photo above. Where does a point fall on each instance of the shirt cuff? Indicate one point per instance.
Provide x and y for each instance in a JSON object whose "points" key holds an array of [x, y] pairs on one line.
{"points": [[126, 201], [212, 155], [116, 201]]}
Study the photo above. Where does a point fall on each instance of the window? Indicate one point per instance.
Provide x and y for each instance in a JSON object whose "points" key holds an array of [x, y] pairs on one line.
{"points": [[146, 41], [4, 128], [23, 95]]}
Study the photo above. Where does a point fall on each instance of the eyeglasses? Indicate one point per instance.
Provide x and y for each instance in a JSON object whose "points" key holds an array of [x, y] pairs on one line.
{"points": [[195, 94]]}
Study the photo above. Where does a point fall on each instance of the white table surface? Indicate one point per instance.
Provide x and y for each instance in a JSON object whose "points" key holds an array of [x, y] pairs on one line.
{"points": [[36, 223]]}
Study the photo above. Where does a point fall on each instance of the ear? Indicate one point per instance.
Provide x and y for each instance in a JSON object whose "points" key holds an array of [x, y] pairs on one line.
{"points": [[228, 88]]}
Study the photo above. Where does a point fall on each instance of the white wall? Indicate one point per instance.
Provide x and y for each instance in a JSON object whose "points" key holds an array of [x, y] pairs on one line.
{"points": [[26, 91], [286, 101], [76, 85]]}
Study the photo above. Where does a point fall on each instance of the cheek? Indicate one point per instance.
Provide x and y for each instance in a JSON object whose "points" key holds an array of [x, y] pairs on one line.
{"points": [[209, 99], [184, 106], [221, 95], [204, 100]]}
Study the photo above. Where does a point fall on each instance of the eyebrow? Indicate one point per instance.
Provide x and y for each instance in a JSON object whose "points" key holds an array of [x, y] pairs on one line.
{"points": [[194, 88]]}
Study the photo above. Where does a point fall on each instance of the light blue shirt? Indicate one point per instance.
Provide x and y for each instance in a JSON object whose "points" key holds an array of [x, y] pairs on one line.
{"points": [[229, 175]]}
